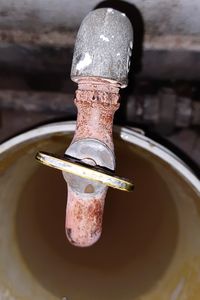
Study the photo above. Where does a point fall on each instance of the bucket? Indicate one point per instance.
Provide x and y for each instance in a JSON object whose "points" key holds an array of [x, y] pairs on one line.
{"points": [[150, 245]]}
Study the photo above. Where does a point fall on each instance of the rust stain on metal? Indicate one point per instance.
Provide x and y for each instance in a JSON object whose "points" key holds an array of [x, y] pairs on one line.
{"points": [[96, 105], [97, 100], [84, 218]]}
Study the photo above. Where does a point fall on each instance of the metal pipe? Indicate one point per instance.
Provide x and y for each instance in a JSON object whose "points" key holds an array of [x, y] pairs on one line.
{"points": [[100, 66]]}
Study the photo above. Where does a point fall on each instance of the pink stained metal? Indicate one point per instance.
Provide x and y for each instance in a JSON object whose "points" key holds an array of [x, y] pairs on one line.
{"points": [[97, 101], [84, 218]]}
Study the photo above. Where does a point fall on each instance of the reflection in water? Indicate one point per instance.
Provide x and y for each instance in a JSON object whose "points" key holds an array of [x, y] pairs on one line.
{"points": [[139, 235]]}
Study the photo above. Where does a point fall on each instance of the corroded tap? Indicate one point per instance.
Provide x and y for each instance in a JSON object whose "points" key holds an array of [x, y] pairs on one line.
{"points": [[100, 67]]}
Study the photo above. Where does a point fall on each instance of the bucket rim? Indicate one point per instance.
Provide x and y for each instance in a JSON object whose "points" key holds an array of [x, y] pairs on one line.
{"points": [[129, 134]]}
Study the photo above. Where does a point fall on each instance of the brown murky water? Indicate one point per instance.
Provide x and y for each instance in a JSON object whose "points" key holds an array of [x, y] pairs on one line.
{"points": [[139, 237]]}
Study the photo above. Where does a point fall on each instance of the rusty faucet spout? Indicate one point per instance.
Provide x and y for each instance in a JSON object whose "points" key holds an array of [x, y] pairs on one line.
{"points": [[97, 102], [100, 66]]}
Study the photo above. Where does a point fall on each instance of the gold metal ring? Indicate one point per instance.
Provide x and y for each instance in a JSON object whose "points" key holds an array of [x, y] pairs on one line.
{"points": [[76, 167]]}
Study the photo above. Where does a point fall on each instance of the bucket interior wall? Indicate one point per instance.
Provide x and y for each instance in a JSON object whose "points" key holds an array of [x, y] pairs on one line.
{"points": [[150, 244]]}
